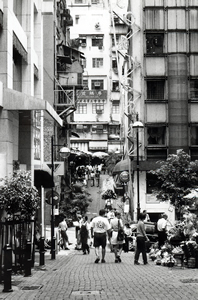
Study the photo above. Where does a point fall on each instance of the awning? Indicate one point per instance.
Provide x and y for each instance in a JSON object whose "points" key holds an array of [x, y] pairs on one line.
{"points": [[98, 145], [19, 47], [64, 59], [75, 134], [43, 178], [14, 100], [73, 53], [121, 166]]}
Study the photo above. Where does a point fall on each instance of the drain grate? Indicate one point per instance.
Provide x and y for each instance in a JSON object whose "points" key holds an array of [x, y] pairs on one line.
{"points": [[31, 287], [85, 293], [190, 280]]}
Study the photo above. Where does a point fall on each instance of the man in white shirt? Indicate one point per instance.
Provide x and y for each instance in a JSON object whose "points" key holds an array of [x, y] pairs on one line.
{"points": [[100, 227], [63, 230], [162, 228]]}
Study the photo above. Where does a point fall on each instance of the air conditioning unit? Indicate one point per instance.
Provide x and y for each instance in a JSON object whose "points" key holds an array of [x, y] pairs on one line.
{"points": [[83, 45], [100, 47], [97, 84], [99, 111]]}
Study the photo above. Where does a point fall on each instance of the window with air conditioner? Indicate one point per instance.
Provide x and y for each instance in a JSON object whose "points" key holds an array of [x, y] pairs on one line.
{"points": [[154, 43], [97, 84], [97, 108], [83, 42]]}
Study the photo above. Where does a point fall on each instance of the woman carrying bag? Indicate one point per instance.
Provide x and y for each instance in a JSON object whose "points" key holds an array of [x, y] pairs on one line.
{"points": [[117, 240]]}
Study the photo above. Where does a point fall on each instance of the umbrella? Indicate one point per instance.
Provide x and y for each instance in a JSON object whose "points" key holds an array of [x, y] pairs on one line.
{"points": [[100, 154], [121, 166]]}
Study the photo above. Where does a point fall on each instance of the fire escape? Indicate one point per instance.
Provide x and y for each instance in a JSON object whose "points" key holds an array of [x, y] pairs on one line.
{"points": [[69, 68]]}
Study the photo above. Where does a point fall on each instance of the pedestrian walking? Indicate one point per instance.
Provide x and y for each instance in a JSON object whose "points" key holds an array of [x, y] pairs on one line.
{"points": [[100, 229], [162, 230], [84, 235], [97, 176], [128, 237], [63, 230], [92, 178], [116, 223], [77, 224], [141, 239], [147, 219]]}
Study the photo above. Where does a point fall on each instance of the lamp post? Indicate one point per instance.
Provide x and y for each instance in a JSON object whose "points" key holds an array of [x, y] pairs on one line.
{"points": [[137, 125], [64, 152]]}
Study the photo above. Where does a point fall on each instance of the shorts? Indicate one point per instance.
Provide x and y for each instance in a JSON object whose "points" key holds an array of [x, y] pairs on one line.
{"points": [[100, 239]]}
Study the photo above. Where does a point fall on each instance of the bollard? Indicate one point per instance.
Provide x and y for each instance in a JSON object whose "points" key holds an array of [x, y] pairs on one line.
{"points": [[28, 260], [42, 251], [7, 268]]}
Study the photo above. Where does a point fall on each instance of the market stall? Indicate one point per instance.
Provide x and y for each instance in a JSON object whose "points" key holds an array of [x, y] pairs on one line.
{"points": [[181, 247]]}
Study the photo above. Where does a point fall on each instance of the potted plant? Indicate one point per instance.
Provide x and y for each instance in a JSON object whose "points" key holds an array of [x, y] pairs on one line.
{"points": [[18, 198]]}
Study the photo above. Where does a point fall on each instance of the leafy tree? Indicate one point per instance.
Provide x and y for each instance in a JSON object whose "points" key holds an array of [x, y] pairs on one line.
{"points": [[73, 202], [17, 196], [176, 177]]}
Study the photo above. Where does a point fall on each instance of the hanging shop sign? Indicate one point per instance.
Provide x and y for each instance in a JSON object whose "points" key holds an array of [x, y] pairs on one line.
{"points": [[124, 176]]}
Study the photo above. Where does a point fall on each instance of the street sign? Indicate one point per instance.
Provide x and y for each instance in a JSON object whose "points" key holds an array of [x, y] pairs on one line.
{"points": [[49, 197], [124, 176], [58, 167]]}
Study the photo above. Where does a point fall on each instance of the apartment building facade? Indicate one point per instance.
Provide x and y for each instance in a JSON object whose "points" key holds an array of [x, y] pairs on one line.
{"points": [[164, 47], [98, 118]]}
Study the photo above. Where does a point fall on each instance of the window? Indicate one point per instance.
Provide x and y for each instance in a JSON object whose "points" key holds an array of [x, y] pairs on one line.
{"points": [[156, 135], [81, 108], [155, 89], [194, 135], [154, 43], [116, 108], [83, 42], [97, 108], [85, 84], [114, 129], [79, 78], [114, 63], [97, 85], [151, 182], [97, 62], [115, 86], [97, 42], [194, 89]]}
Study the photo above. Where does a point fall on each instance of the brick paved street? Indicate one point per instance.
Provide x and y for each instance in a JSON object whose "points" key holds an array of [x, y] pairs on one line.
{"points": [[75, 276]]}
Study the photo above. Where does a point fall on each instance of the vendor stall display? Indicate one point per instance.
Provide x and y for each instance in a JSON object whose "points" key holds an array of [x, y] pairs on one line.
{"points": [[181, 247]]}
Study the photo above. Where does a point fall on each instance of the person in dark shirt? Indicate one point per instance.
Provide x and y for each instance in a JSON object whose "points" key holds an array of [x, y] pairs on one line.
{"points": [[140, 240]]}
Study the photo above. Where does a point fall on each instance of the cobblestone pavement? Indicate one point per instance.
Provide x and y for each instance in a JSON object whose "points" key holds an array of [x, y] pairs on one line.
{"points": [[75, 276]]}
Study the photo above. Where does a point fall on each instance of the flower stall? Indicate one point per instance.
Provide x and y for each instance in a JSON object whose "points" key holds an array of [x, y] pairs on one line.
{"points": [[181, 247]]}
